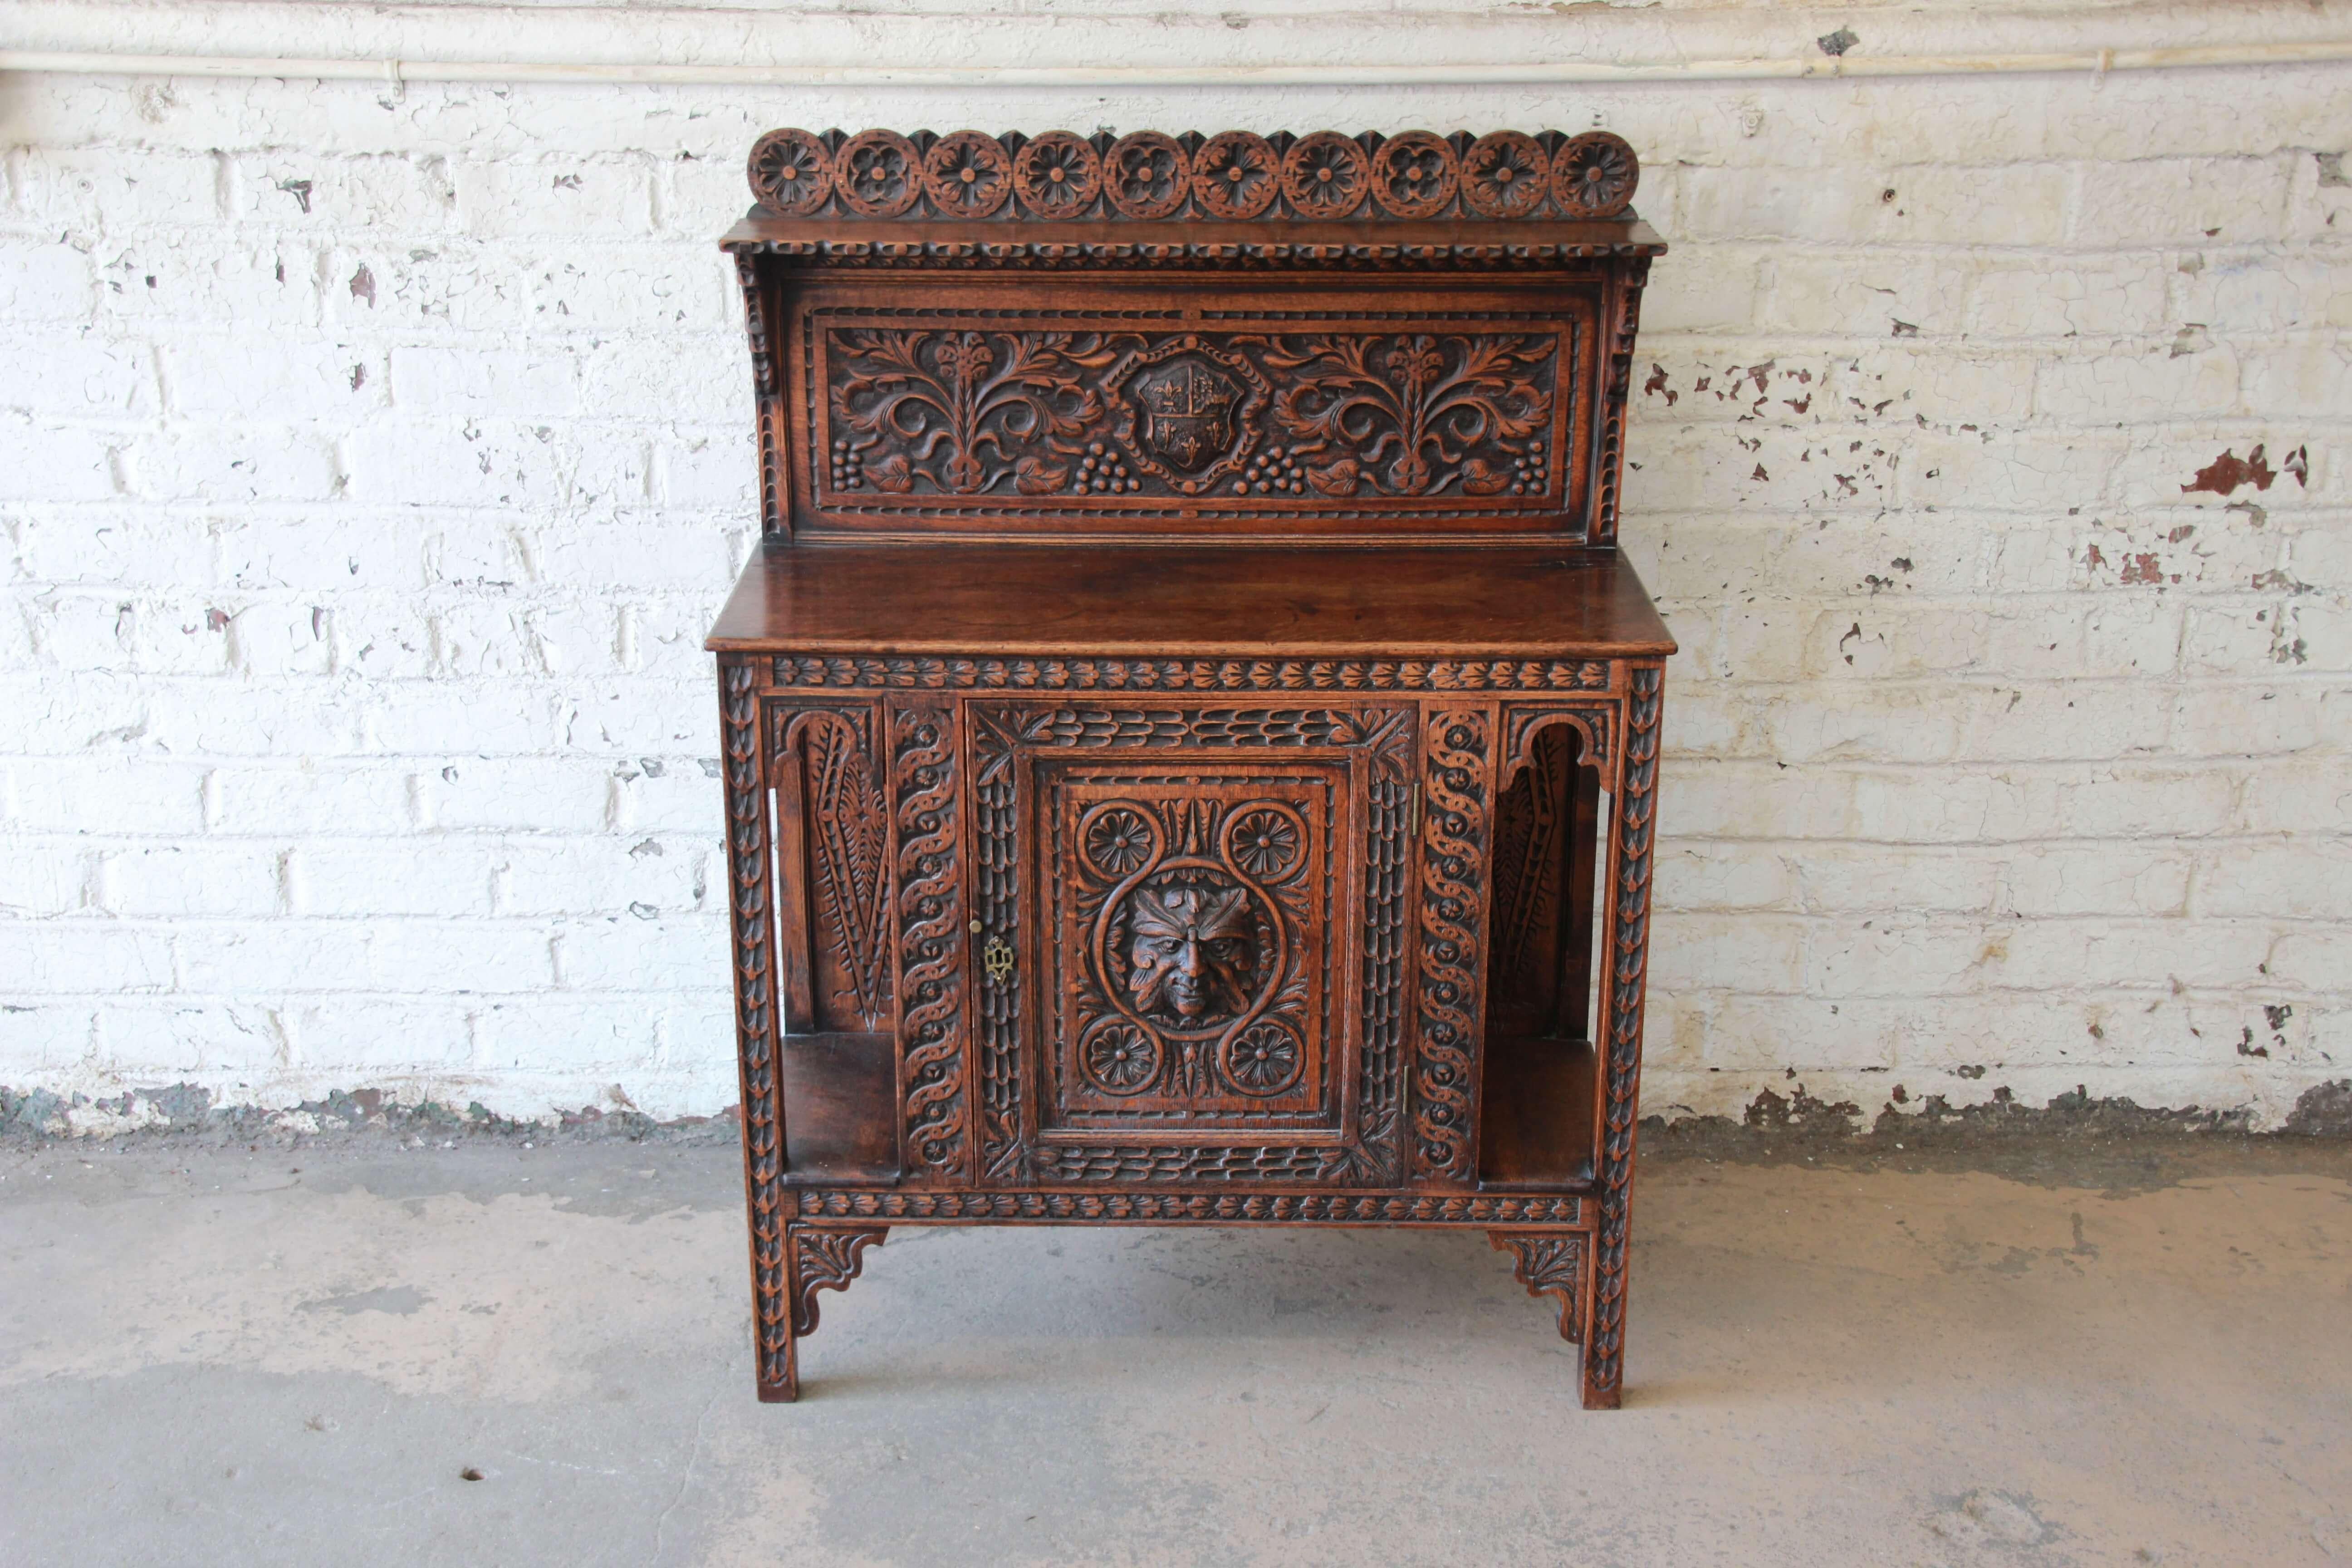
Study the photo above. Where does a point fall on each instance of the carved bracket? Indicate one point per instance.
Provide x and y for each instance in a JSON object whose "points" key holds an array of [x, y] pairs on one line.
{"points": [[824, 1260], [1549, 1263]]}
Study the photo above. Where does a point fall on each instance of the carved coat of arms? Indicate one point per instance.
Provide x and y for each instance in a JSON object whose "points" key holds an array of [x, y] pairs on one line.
{"points": [[1188, 413], [1190, 410]]}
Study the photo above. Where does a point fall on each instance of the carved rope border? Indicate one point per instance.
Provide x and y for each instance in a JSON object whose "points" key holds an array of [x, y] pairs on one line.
{"points": [[931, 941], [1456, 764]]}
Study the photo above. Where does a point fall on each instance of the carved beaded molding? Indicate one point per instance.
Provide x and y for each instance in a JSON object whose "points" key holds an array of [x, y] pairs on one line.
{"points": [[1016, 673], [1221, 1209], [1232, 176]]}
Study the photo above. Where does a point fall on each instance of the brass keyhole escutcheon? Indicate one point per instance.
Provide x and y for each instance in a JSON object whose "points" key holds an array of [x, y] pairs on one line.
{"points": [[997, 959]]}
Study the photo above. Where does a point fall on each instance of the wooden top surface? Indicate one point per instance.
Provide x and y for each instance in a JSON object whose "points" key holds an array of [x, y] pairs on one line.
{"points": [[1192, 601]]}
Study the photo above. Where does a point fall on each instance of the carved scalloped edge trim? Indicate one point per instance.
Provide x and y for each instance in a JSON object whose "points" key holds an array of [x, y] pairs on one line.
{"points": [[1211, 1208], [880, 174], [1015, 672], [1196, 253]]}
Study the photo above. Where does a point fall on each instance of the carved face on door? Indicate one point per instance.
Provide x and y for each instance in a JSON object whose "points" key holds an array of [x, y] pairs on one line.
{"points": [[1198, 910], [1190, 951]]}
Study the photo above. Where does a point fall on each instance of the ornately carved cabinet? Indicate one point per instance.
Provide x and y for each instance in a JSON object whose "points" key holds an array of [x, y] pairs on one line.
{"points": [[1189, 738]]}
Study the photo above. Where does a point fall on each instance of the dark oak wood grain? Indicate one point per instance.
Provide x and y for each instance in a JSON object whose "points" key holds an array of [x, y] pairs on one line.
{"points": [[1232, 602], [1189, 737]]}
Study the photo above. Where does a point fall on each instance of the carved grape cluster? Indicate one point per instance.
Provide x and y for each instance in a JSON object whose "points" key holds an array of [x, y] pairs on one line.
{"points": [[1101, 472], [1233, 176], [1528, 472], [1272, 472], [848, 466]]}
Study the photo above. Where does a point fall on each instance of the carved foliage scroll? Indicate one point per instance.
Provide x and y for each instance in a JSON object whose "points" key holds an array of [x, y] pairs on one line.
{"points": [[931, 972], [1233, 175], [1034, 416], [1629, 964]]}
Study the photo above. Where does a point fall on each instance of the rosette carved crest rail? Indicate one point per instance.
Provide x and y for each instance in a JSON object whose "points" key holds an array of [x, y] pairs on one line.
{"points": [[1232, 176]]}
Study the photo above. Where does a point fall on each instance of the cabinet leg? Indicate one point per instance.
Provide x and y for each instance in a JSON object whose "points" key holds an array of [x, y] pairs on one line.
{"points": [[811, 1258], [1559, 1264]]}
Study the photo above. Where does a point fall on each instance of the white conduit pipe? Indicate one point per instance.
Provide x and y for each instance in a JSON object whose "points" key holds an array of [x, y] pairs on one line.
{"points": [[1826, 67]]}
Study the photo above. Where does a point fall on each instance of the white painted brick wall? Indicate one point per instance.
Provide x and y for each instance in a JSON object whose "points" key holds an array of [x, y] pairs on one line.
{"points": [[372, 462]]}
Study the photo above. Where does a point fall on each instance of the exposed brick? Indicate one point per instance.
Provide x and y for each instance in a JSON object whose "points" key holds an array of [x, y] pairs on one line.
{"points": [[516, 794], [95, 190], [2183, 201], [78, 374], [44, 280], [328, 798], [368, 493], [192, 880], [399, 194]]}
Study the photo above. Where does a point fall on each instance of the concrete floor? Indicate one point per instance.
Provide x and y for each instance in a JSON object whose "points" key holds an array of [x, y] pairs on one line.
{"points": [[294, 1356]]}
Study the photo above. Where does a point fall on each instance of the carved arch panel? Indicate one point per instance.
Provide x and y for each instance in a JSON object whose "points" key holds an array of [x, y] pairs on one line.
{"points": [[1546, 827]]}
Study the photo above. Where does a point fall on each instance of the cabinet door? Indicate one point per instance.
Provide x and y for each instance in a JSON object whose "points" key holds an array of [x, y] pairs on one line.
{"points": [[1190, 940]]}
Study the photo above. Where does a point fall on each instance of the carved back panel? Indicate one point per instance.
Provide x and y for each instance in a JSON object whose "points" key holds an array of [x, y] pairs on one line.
{"points": [[1213, 338]]}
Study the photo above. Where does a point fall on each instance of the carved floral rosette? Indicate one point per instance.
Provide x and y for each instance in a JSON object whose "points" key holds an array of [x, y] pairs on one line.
{"points": [[1231, 176]]}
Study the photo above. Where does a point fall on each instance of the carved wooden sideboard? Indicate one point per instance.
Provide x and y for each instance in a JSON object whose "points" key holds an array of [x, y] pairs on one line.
{"points": [[1191, 741]]}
